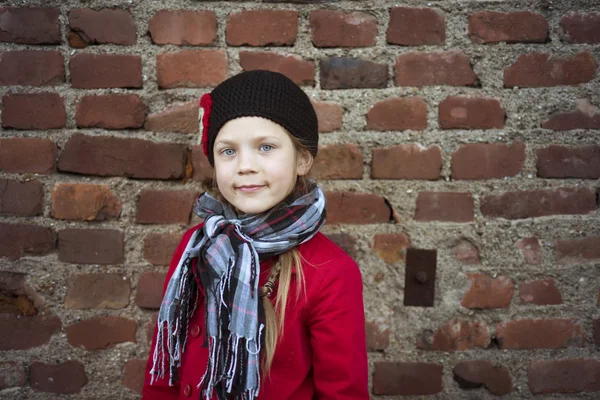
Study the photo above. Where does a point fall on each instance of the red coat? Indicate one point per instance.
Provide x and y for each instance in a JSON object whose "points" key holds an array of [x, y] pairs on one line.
{"points": [[322, 354]]}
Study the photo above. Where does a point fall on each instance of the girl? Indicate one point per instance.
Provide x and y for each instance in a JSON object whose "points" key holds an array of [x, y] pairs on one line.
{"points": [[257, 302]]}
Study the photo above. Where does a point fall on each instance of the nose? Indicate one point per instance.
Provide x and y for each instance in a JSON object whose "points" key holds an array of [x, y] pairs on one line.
{"points": [[246, 162]]}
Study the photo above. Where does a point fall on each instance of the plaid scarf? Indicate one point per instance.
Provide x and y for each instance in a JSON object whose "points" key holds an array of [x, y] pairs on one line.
{"points": [[229, 248]]}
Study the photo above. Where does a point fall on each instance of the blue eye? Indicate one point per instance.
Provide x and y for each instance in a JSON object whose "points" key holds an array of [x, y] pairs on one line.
{"points": [[228, 152], [266, 147]]}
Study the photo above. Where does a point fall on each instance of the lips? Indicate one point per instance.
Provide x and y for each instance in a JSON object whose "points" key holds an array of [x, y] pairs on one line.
{"points": [[249, 188]]}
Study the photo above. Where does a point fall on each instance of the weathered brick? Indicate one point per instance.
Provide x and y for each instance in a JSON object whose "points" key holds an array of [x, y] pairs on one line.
{"points": [[133, 375], [539, 203], [450, 68], [476, 373], [302, 72], [391, 247], [540, 334], [111, 156], [564, 376], [181, 69], [411, 26], [345, 241], [183, 27], [540, 292], [398, 114], [107, 25], [586, 116], [378, 336], [457, 335], [111, 111], [540, 70], [16, 240], [101, 332], [18, 296], [466, 252], [329, 115], [31, 68], [68, 377], [332, 28], [165, 206], [32, 155], [12, 374], [160, 247], [352, 73], [84, 202], [202, 170], [464, 112], [262, 28], [21, 333], [150, 327], [21, 198], [577, 251], [91, 246], [581, 27], [366, 208], [444, 206], [149, 290], [509, 27], [98, 71], [407, 161], [178, 118], [487, 160], [407, 378], [33, 111], [487, 292], [339, 161], [557, 161], [29, 25], [530, 250], [109, 291]]}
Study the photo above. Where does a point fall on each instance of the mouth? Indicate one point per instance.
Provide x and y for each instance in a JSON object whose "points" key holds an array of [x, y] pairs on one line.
{"points": [[249, 188]]}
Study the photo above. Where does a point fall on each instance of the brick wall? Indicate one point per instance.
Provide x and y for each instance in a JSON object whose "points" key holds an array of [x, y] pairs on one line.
{"points": [[460, 155]]}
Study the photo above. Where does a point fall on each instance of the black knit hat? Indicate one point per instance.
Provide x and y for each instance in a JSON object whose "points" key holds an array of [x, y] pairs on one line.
{"points": [[264, 94]]}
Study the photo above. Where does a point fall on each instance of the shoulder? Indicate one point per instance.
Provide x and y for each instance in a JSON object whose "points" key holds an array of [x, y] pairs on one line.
{"points": [[188, 233], [326, 257]]}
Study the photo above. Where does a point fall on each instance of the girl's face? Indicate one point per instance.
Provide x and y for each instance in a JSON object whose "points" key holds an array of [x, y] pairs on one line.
{"points": [[257, 164]]}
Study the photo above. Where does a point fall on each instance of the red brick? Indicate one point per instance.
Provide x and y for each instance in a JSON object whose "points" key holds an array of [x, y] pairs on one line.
{"points": [[466, 252], [476, 373], [411, 26], [568, 162], [487, 160], [407, 161], [150, 327], [111, 156], [541, 292], [160, 247], [339, 161], [97, 71], [564, 376], [262, 28], [398, 114], [444, 206], [31, 155], [149, 290], [487, 292], [178, 118], [345, 241], [577, 251], [30, 25], [456, 335], [329, 115], [464, 112], [105, 291], [16, 240], [111, 111], [101, 332], [107, 25], [133, 375], [586, 116], [391, 247], [91, 246], [12, 374], [33, 111], [68, 377], [378, 336], [530, 249], [183, 27], [366, 208], [31, 68], [181, 69], [581, 27], [300, 71], [21, 198], [540, 70], [540, 334], [407, 378], [84, 202], [19, 297], [539, 203], [332, 28], [202, 170], [450, 68], [21, 333], [165, 206], [509, 27], [352, 73]]}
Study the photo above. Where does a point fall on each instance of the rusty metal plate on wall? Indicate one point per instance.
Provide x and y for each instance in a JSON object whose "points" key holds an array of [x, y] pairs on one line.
{"points": [[419, 282]]}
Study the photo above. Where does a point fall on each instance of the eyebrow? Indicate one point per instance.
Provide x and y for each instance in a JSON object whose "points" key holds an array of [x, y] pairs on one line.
{"points": [[257, 139]]}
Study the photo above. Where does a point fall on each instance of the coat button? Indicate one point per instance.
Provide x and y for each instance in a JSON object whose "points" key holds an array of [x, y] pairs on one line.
{"points": [[187, 390], [195, 331]]}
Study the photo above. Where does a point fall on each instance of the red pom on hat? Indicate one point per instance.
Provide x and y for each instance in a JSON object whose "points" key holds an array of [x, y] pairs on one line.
{"points": [[206, 104]]}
